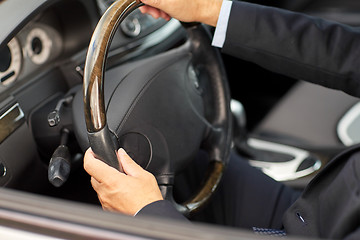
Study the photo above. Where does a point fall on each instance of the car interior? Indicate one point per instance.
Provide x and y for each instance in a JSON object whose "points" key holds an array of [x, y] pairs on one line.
{"points": [[288, 128]]}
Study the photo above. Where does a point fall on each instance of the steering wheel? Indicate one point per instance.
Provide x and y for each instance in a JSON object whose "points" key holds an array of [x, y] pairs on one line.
{"points": [[161, 110]]}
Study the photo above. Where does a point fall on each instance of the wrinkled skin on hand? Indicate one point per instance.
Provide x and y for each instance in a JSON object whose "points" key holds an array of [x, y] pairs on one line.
{"points": [[204, 11], [126, 192]]}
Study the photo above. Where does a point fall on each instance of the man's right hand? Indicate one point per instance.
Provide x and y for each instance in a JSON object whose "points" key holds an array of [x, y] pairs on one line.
{"points": [[126, 192], [204, 11]]}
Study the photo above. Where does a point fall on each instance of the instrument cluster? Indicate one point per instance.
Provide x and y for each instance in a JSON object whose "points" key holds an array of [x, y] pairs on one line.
{"points": [[32, 48]]}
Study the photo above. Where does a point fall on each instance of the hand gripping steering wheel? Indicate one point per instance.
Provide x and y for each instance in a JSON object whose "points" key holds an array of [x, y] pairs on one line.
{"points": [[162, 110]]}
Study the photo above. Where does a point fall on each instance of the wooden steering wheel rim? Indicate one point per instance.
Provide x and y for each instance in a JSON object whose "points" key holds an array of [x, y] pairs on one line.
{"points": [[95, 115]]}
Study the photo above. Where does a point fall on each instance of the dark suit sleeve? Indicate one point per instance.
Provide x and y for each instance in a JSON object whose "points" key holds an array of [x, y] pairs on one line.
{"points": [[162, 208], [296, 45]]}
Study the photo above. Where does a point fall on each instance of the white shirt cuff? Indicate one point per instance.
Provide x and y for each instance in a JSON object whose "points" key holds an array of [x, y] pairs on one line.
{"points": [[222, 23]]}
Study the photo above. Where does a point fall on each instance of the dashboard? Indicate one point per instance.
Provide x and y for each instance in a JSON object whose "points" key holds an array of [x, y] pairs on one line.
{"points": [[52, 36], [43, 49]]}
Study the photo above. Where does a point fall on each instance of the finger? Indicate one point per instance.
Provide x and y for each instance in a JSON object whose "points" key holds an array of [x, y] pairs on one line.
{"points": [[95, 184], [129, 165], [155, 13], [87, 163], [152, 3], [97, 168], [97, 187], [164, 15], [144, 9], [89, 153]]}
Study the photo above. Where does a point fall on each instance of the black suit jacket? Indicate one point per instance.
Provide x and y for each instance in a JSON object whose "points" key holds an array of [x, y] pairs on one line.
{"points": [[329, 207], [317, 51], [321, 52], [296, 45], [162, 208]]}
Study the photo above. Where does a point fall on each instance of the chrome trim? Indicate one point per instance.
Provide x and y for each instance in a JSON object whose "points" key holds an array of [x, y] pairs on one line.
{"points": [[238, 111], [4, 169], [282, 171], [20, 116], [5, 172], [10, 121], [344, 124]]}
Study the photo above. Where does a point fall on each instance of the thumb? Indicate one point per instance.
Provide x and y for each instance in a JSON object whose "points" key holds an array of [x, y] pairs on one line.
{"points": [[97, 168], [130, 167]]}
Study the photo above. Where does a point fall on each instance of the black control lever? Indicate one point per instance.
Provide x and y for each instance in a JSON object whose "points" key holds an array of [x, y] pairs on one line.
{"points": [[60, 162], [54, 116]]}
